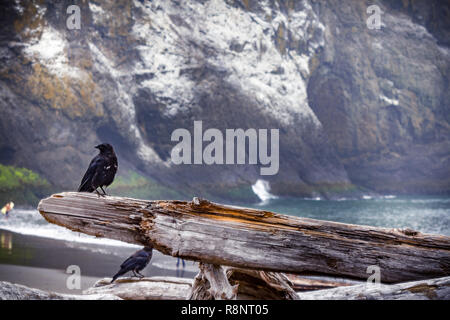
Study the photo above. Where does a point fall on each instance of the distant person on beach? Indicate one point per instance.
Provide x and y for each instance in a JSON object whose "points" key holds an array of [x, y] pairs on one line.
{"points": [[101, 171], [137, 262], [7, 208]]}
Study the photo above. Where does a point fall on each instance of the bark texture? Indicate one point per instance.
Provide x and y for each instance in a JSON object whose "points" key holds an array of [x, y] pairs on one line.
{"points": [[253, 239]]}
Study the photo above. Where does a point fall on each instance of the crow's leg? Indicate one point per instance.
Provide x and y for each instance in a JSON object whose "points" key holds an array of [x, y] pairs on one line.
{"points": [[140, 275], [134, 273], [98, 193], [104, 193]]}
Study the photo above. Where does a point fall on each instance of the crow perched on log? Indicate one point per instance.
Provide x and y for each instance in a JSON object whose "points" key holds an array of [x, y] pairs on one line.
{"points": [[137, 262], [101, 171]]}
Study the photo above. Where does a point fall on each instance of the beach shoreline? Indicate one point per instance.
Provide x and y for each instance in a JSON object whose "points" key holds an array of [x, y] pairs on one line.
{"points": [[42, 263]]}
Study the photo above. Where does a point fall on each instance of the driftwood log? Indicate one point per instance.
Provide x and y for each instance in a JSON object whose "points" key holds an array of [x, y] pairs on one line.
{"points": [[310, 283], [12, 291], [433, 289], [261, 285], [153, 288], [227, 283], [253, 239]]}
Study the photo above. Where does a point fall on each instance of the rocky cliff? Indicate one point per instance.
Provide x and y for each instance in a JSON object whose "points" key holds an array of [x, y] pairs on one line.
{"points": [[359, 110]]}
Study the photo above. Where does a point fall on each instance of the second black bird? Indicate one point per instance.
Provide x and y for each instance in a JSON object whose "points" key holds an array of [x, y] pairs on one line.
{"points": [[137, 262], [101, 171]]}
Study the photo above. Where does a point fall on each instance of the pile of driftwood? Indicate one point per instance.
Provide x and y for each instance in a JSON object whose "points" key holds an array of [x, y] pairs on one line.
{"points": [[246, 253]]}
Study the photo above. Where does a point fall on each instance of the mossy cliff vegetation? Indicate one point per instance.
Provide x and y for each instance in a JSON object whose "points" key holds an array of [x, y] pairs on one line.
{"points": [[21, 185], [133, 184]]}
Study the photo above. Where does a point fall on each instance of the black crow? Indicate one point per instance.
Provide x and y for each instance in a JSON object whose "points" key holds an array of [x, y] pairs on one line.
{"points": [[101, 171], [137, 262]]}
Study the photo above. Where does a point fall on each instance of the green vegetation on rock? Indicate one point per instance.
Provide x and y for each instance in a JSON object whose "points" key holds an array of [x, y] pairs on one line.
{"points": [[21, 185], [241, 193], [133, 184]]}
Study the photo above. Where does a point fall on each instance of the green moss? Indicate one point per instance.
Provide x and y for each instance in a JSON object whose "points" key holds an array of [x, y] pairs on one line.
{"points": [[238, 194], [135, 185], [132, 184], [324, 189], [12, 178], [241, 192], [22, 185]]}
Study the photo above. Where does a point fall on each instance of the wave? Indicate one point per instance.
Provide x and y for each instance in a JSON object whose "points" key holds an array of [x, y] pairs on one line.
{"points": [[262, 189], [30, 222], [389, 196]]}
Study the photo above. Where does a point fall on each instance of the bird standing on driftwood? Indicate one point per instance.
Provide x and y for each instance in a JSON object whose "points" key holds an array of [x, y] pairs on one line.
{"points": [[137, 262], [101, 171]]}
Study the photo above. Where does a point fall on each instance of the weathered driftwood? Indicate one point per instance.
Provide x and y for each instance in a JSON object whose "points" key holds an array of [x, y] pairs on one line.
{"points": [[11, 291], [227, 283], [253, 239], [433, 289], [261, 285], [309, 283], [212, 283], [152, 288]]}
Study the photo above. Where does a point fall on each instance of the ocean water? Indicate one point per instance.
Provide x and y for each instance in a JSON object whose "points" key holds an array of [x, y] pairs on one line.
{"points": [[424, 214], [427, 214]]}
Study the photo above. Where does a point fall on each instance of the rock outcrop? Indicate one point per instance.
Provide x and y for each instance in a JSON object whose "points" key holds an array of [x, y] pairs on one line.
{"points": [[358, 110]]}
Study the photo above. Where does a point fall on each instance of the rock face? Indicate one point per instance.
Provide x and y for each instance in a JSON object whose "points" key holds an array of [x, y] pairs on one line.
{"points": [[358, 110], [382, 95]]}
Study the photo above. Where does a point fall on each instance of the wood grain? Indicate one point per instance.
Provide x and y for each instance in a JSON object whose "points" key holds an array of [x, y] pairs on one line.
{"points": [[253, 239]]}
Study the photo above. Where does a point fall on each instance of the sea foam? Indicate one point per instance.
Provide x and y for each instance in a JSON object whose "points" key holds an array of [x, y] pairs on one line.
{"points": [[30, 222]]}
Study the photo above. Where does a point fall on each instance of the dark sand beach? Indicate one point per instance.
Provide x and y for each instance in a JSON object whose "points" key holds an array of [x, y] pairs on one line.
{"points": [[42, 262]]}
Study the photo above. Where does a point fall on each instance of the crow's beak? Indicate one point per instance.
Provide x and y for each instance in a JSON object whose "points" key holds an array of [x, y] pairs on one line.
{"points": [[98, 147]]}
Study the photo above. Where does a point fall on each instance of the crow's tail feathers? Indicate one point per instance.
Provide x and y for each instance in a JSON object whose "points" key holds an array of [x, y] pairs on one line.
{"points": [[86, 188], [118, 274]]}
